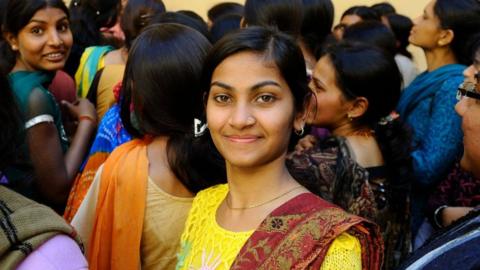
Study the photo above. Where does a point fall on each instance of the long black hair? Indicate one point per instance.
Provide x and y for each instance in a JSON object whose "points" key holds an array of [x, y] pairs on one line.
{"points": [[370, 72], [16, 16], [462, 17], [162, 93], [11, 133]]}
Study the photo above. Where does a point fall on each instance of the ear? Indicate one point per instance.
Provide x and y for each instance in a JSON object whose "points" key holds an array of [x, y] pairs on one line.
{"points": [[446, 37], [358, 107], [243, 23], [12, 40]]}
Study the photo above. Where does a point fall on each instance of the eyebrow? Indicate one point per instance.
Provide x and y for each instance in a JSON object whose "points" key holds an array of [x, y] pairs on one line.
{"points": [[44, 22], [255, 87]]}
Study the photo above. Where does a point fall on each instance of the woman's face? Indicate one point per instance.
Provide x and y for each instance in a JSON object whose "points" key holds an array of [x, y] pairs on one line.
{"points": [[328, 107], [469, 109], [250, 111], [44, 43], [426, 30]]}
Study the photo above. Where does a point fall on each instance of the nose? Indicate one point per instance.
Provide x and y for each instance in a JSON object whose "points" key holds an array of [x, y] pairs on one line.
{"points": [[54, 39], [242, 117]]}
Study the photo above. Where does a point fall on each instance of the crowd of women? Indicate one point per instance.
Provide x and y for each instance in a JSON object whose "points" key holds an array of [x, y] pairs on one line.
{"points": [[265, 138]]}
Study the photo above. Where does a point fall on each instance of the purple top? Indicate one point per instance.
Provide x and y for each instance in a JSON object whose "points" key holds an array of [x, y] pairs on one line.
{"points": [[60, 252]]}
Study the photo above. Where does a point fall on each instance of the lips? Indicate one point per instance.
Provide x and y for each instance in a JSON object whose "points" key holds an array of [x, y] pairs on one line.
{"points": [[242, 138], [55, 56]]}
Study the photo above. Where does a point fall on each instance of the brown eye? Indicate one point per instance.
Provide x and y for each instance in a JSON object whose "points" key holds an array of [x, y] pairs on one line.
{"points": [[222, 98], [36, 31]]}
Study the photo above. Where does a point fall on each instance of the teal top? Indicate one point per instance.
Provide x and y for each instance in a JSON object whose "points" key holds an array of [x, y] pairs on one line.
{"points": [[33, 100]]}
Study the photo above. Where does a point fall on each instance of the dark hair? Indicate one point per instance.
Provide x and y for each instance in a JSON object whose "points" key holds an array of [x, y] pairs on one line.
{"points": [[383, 8], [317, 23], [285, 15], [474, 45], [225, 8], [193, 15], [12, 125], [181, 18], [224, 25], [87, 17], [276, 48], [366, 71], [137, 15], [364, 12], [372, 32], [16, 16], [462, 17], [162, 83], [401, 26]]}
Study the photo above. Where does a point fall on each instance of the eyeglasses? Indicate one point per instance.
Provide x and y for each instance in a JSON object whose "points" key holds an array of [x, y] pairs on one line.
{"points": [[468, 89]]}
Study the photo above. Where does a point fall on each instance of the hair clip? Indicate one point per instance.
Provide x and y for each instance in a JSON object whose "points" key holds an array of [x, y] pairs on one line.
{"points": [[389, 118], [198, 127]]}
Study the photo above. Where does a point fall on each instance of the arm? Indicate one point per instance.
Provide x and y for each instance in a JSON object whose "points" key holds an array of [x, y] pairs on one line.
{"points": [[442, 142], [54, 171]]}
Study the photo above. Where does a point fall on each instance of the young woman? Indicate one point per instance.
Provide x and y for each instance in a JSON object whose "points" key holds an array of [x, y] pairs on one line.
{"points": [[33, 236], [364, 167], [256, 89], [427, 105], [111, 132], [39, 38], [152, 178]]}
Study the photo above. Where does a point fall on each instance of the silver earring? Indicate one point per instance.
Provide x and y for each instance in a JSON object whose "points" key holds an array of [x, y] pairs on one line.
{"points": [[300, 132]]}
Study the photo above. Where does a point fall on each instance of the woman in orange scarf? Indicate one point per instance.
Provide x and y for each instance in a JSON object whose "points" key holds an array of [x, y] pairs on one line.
{"points": [[136, 208]]}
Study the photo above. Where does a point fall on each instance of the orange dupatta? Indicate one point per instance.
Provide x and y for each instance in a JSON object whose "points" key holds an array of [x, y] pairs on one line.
{"points": [[118, 225]]}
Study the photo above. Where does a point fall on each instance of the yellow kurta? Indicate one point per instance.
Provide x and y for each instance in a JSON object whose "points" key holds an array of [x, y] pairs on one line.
{"points": [[206, 245]]}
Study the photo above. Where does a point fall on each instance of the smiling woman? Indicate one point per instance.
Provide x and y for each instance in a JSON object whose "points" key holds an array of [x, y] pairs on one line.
{"points": [[256, 89], [38, 41]]}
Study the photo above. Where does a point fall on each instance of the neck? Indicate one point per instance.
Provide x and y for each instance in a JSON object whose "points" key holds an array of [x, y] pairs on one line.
{"points": [[439, 57], [346, 129], [250, 186]]}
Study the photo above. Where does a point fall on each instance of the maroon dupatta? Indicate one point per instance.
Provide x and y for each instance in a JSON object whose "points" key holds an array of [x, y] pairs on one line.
{"points": [[298, 234]]}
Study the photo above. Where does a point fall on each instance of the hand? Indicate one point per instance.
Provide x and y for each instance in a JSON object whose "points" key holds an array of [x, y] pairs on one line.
{"points": [[81, 107], [305, 143]]}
